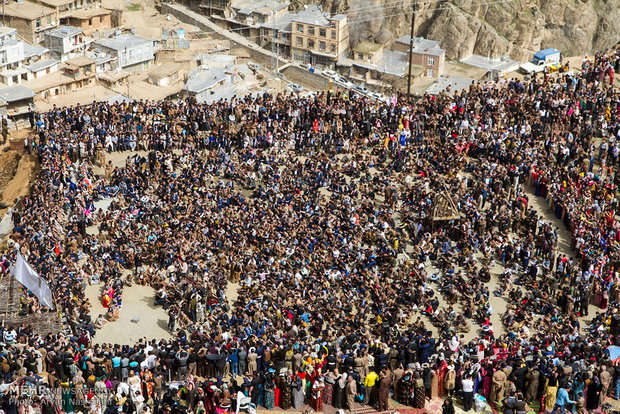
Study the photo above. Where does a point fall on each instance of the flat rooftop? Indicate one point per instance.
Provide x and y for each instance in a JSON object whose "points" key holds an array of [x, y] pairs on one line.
{"points": [[27, 10], [442, 83], [499, 65]]}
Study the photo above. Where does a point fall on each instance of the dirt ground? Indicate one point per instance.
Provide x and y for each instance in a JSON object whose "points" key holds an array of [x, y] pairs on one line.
{"points": [[17, 172], [138, 302]]}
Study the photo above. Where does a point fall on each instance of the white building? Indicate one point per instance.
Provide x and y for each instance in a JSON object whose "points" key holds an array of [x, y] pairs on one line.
{"points": [[66, 42], [11, 49], [21, 61], [132, 53]]}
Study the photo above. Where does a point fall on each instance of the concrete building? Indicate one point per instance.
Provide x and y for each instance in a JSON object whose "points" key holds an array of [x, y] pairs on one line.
{"points": [[496, 68], [204, 80], [11, 49], [375, 66], [166, 74], [214, 7], [31, 20], [89, 20], [60, 7], [317, 39], [19, 100], [21, 61], [42, 67], [132, 53], [66, 42], [248, 16], [81, 71], [426, 54]]}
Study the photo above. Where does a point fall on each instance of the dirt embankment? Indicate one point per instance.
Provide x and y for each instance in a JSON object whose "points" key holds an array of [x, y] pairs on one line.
{"points": [[17, 174]]}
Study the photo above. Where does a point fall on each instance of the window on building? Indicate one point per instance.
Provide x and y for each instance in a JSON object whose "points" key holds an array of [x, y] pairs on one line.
{"points": [[300, 28], [431, 61], [360, 56], [38, 23], [266, 31], [332, 25], [300, 41], [321, 45], [261, 19], [333, 47], [311, 30], [322, 32], [310, 44], [223, 3], [333, 34]]}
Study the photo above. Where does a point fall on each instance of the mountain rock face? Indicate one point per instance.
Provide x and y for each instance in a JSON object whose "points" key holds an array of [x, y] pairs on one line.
{"points": [[492, 28]]}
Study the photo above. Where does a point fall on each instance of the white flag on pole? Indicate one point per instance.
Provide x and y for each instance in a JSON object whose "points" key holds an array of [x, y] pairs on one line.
{"points": [[28, 277]]}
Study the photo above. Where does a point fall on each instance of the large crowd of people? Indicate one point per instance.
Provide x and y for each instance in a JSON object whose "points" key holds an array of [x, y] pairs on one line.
{"points": [[365, 240]]}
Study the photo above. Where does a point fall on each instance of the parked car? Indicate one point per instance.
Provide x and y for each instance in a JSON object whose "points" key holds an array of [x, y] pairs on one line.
{"points": [[329, 73], [376, 95], [361, 89], [343, 82], [295, 87]]}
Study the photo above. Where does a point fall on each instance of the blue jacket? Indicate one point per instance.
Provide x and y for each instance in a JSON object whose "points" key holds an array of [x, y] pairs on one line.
{"points": [[562, 398]]}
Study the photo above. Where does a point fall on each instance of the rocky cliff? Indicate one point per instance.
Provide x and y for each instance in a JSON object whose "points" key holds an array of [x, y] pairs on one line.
{"points": [[489, 27]]}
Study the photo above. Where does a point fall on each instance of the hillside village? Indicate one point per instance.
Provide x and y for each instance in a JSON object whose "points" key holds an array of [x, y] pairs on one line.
{"points": [[63, 52]]}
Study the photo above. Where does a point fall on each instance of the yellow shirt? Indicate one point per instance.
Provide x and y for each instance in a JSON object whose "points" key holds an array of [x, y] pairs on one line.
{"points": [[371, 379]]}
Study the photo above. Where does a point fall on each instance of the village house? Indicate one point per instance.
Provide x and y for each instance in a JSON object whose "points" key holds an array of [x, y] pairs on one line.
{"points": [[11, 49], [81, 71], [31, 20], [66, 42], [61, 7], [166, 75], [425, 53], [18, 101], [318, 39], [374, 65], [214, 7], [132, 53], [88, 20], [75, 73], [248, 16], [42, 67], [20, 61]]}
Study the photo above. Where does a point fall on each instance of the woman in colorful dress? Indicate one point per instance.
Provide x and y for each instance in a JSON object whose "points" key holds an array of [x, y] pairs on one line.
{"points": [[441, 380], [317, 394], [419, 393], [552, 391], [268, 387], [407, 387], [329, 388], [286, 391]]}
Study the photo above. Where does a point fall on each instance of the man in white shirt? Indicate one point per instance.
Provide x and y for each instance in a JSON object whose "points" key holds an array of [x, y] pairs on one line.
{"points": [[468, 392]]}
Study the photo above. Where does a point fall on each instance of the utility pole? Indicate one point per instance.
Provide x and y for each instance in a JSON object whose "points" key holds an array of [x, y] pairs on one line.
{"points": [[274, 47], [410, 53]]}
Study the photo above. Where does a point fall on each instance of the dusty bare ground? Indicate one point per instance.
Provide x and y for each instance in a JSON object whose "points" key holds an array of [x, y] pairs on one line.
{"points": [[18, 171]]}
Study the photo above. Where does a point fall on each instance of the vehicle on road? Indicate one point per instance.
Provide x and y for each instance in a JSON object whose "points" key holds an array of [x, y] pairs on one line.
{"points": [[542, 59], [361, 89], [295, 87], [343, 82]]}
